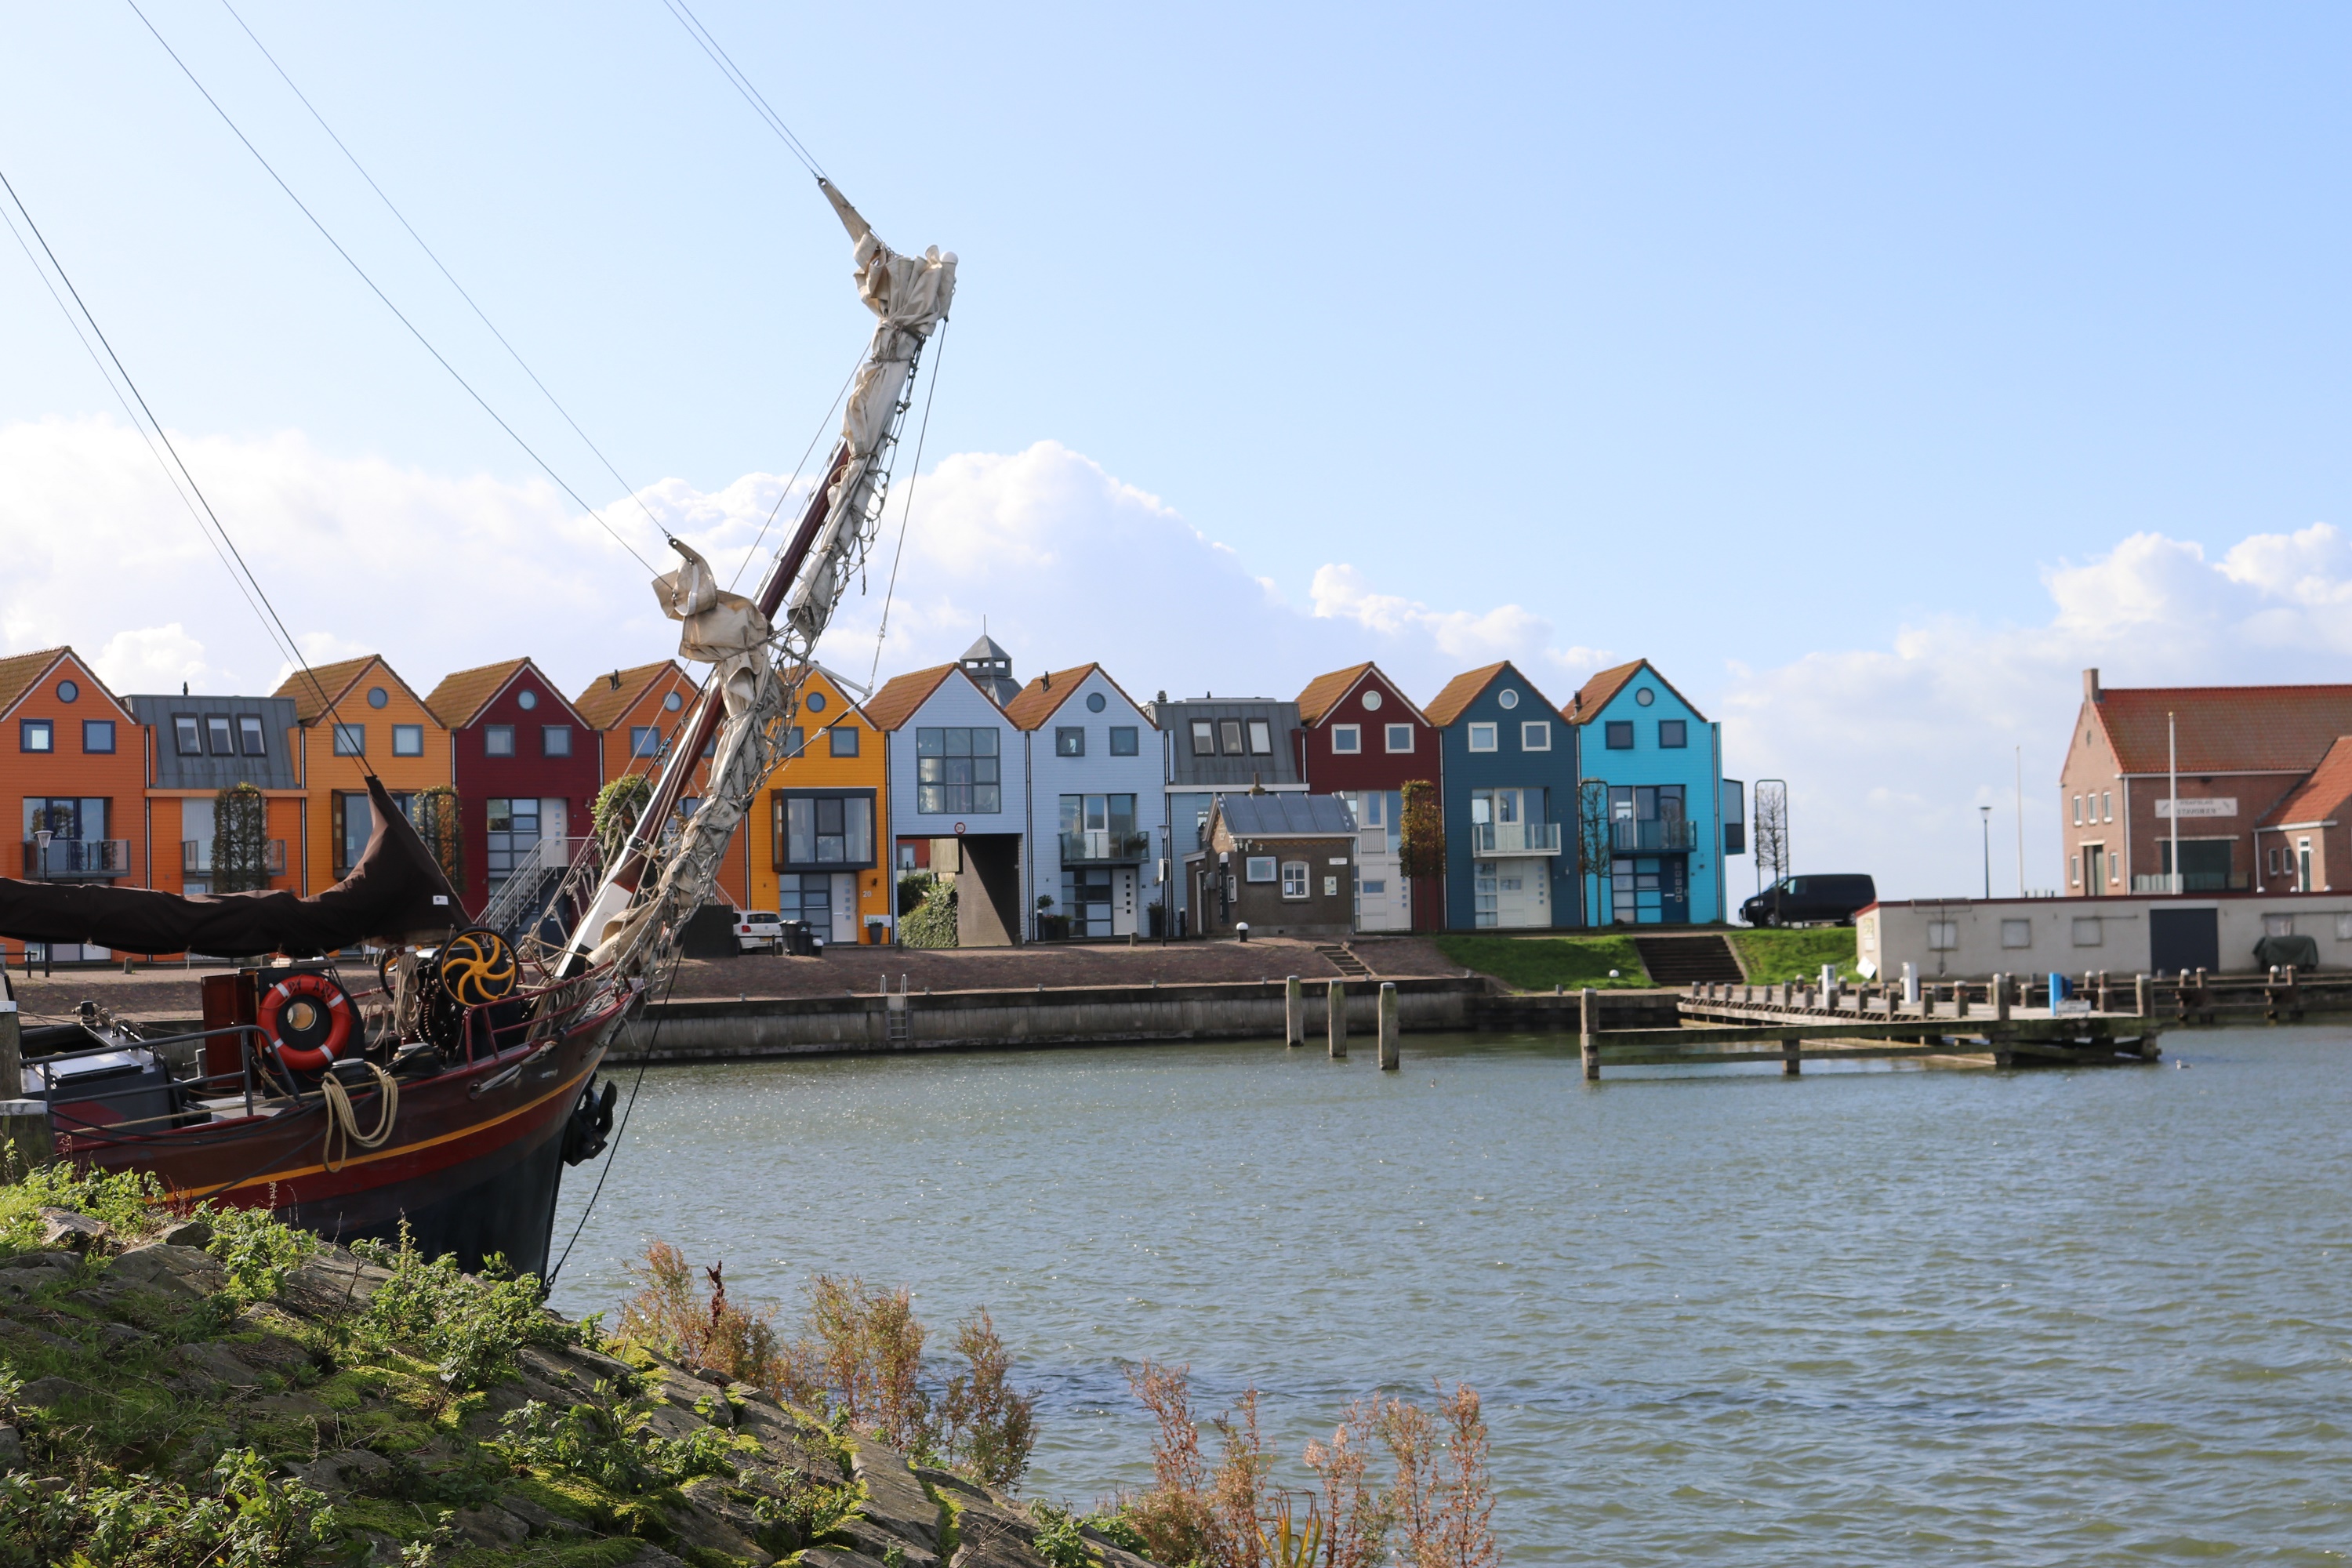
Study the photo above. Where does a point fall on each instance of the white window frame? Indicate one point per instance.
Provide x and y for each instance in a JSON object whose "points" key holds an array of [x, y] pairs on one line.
{"points": [[1484, 738], [1258, 868], [1389, 735], [1347, 739], [1535, 734], [1294, 879]]}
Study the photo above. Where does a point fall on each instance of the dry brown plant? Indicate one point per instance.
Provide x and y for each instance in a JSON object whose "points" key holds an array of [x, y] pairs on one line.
{"points": [[1174, 1516], [1411, 1435], [1357, 1514], [1238, 1493], [670, 1314], [1465, 1530], [987, 1425]]}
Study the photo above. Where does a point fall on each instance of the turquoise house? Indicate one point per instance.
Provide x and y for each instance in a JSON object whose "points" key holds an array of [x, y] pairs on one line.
{"points": [[1660, 762], [1508, 788]]}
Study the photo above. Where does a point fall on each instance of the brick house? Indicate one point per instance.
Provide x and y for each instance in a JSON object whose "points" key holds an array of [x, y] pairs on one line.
{"points": [[525, 764], [2238, 754], [1282, 864], [1213, 746], [1362, 740], [73, 764]]}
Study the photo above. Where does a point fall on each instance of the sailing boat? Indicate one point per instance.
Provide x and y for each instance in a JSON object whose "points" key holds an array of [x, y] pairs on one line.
{"points": [[448, 1089]]}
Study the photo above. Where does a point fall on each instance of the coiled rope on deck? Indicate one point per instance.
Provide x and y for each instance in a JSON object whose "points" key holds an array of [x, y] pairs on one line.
{"points": [[342, 1118]]}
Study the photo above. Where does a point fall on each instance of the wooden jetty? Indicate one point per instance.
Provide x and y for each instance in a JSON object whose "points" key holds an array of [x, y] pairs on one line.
{"points": [[1980, 1024]]}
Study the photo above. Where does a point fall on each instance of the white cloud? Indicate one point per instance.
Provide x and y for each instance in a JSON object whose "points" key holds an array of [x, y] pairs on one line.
{"points": [[153, 658]]}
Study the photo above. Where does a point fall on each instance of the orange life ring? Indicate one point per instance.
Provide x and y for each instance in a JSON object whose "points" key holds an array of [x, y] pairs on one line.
{"points": [[307, 1017]]}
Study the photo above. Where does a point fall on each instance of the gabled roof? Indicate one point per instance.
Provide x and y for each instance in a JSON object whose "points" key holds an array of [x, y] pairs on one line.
{"points": [[610, 697], [1043, 698], [1462, 691], [335, 679], [2317, 798], [900, 695], [1286, 815], [1318, 696], [460, 698], [1602, 689], [2224, 729], [19, 673]]}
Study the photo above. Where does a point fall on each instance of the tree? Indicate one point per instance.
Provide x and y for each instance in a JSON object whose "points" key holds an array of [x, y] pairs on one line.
{"points": [[1593, 849], [435, 813], [615, 812], [1771, 831], [240, 839]]}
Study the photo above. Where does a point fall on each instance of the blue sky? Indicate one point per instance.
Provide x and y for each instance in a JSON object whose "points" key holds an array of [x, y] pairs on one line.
{"points": [[1784, 345]]}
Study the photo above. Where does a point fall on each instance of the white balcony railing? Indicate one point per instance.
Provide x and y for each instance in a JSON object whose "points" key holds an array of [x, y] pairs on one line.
{"points": [[1501, 838]]}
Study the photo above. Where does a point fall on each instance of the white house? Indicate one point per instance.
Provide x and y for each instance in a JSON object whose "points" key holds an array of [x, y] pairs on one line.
{"points": [[1098, 811], [959, 795]]}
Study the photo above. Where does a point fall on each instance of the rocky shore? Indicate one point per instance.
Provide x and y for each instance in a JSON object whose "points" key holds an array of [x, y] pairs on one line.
{"points": [[174, 1394]]}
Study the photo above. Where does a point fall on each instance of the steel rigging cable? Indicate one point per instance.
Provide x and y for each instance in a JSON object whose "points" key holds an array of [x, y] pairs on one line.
{"points": [[480, 313], [528, 450], [742, 84]]}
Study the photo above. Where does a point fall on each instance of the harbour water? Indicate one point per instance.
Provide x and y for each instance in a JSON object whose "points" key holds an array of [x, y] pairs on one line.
{"points": [[1866, 1316]]}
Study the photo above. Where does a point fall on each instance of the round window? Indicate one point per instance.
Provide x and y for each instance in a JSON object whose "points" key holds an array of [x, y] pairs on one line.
{"points": [[526, 700], [1095, 703], [1508, 698], [1645, 697], [68, 692], [673, 702], [1372, 701], [378, 696], [816, 702]]}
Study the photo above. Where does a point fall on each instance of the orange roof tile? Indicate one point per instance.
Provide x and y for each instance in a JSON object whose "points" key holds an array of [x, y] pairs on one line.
{"points": [[1043, 697], [2225, 728], [610, 697], [2317, 798], [1594, 694], [1461, 692], [459, 696], [20, 672], [1318, 696], [335, 679], [900, 695]]}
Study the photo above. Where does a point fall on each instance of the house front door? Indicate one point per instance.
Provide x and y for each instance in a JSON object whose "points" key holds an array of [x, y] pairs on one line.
{"points": [[1522, 892]]}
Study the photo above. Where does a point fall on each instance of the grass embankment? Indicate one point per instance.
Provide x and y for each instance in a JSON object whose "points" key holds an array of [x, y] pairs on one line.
{"points": [[1572, 962], [1772, 956], [1540, 962]]}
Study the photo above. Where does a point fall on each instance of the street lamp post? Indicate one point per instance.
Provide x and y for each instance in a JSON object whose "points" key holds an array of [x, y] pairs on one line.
{"points": [[1986, 812]]}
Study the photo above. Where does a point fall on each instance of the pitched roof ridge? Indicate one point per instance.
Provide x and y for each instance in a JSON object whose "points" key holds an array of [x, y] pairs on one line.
{"points": [[602, 692], [26, 670], [1457, 693], [1323, 693], [895, 700]]}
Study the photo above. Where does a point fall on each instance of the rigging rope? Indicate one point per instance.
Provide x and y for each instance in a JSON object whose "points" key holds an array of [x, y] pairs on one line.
{"points": [[284, 638], [430, 255], [343, 1121], [907, 513], [785, 494], [612, 1150], [742, 84], [271, 171]]}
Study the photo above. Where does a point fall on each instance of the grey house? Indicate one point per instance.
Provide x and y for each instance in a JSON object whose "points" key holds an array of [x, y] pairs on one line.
{"points": [[1214, 746], [199, 746]]}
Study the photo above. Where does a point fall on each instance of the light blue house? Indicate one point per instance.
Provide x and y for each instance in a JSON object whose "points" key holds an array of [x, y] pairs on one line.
{"points": [[1098, 814], [1508, 784], [1661, 762]]}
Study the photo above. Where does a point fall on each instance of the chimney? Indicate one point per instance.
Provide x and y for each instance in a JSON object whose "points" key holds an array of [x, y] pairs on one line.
{"points": [[2090, 685]]}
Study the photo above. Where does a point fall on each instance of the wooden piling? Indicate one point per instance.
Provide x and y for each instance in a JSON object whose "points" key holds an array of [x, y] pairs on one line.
{"points": [[12, 1052], [26, 1141], [1389, 1058], [1293, 1011], [1335, 1018], [1791, 1065], [2001, 998], [2139, 996], [1588, 1003]]}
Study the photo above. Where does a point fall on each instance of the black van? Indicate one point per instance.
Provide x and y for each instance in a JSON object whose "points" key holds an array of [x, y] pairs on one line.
{"points": [[1809, 901]]}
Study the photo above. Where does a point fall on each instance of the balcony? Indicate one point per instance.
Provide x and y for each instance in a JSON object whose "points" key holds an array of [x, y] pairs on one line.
{"points": [[196, 856], [2190, 882], [1498, 839], [1662, 835], [1101, 846], [74, 860]]}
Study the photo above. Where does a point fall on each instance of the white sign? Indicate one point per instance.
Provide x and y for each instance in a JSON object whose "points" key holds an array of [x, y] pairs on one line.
{"points": [[2220, 805]]}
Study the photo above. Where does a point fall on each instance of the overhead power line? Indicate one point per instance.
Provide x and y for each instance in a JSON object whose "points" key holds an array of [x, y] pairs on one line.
{"points": [[398, 314]]}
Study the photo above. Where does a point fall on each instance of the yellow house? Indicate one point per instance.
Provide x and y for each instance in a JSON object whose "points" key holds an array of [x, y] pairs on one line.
{"points": [[816, 840], [375, 716]]}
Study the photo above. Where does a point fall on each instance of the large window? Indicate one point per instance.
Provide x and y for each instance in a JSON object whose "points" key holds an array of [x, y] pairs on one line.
{"points": [[1229, 730], [1069, 740], [36, 735], [1400, 737], [1204, 738], [514, 834], [556, 740], [1618, 734], [645, 740], [1535, 735], [824, 830], [219, 739], [408, 740], [1347, 739], [1482, 737], [1123, 740], [1100, 828], [1674, 734], [1261, 738], [956, 770], [844, 739], [354, 819], [97, 737], [252, 739], [809, 898], [351, 739], [187, 737], [497, 739]]}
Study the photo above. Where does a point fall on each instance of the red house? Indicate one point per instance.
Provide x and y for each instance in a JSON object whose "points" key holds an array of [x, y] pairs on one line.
{"points": [[526, 769], [1364, 740]]}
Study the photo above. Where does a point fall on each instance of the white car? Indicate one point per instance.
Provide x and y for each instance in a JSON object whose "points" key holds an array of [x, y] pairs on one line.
{"points": [[758, 930]]}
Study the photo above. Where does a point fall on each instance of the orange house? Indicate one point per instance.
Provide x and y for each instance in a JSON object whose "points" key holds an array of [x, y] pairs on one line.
{"points": [[819, 835], [636, 715], [73, 767], [357, 714]]}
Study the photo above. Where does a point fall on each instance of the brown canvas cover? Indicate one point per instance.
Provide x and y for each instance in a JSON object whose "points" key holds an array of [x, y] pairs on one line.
{"points": [[396, 892]]}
